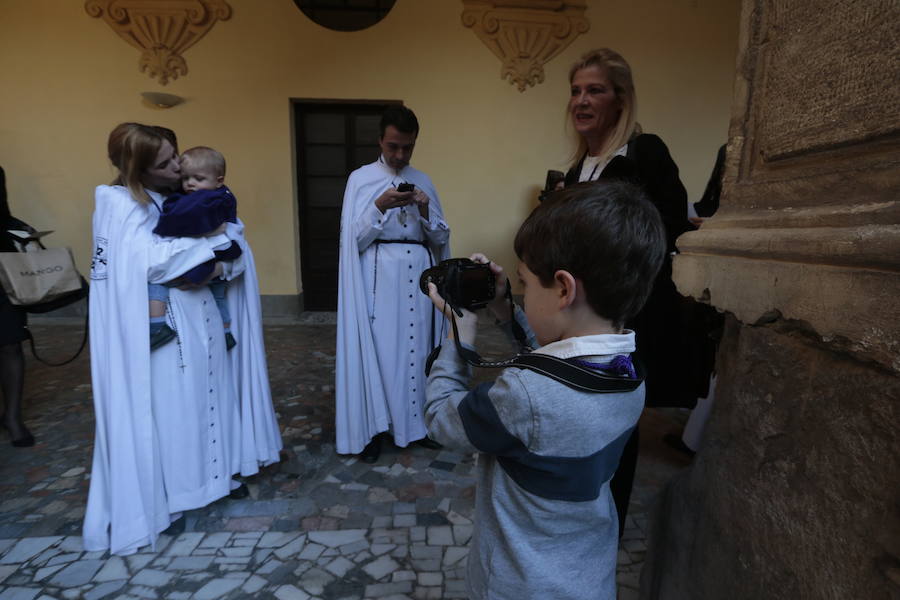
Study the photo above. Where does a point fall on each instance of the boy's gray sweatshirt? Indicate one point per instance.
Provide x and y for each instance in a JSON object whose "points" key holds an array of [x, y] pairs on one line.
{"points": [[559, 540]]}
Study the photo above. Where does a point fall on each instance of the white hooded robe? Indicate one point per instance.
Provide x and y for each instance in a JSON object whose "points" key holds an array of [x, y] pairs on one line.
{"points": [[260, 435], [384, 321], [167, 422]]}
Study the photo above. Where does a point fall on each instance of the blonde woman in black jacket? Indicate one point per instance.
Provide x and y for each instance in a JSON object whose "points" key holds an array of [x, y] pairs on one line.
{"points": [[602, 111]]}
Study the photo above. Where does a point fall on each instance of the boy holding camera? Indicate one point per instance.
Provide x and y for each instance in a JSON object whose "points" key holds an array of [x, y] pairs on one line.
{"points": [[545, 523]]}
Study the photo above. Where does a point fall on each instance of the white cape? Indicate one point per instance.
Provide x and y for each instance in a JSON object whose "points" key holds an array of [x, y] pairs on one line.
{"points": [[260, 436], [166, 423], [384, 331]]}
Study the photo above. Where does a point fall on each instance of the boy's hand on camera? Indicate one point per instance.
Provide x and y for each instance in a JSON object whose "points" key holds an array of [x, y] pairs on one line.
{"points": [[467, 325], [498, 305], [391, 198]]}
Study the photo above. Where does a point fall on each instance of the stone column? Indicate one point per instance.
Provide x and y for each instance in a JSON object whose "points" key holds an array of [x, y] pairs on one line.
{"points": [[795, 492]]}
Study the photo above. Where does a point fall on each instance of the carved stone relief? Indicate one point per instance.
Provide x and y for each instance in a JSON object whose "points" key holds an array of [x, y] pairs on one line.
{"points": [[161, 29], [810, 186], [792, 493], [818, 100], [525, 34]]}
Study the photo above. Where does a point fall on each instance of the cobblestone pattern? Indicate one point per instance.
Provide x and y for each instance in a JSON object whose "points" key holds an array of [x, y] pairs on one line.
{"points": [[317, 525]]}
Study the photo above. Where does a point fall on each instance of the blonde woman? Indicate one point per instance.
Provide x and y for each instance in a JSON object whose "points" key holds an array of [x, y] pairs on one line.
{"points": [[602, 112]]}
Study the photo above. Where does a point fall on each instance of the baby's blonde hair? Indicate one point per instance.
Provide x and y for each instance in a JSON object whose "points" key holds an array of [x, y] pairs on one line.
{"points": [[204, 157]]}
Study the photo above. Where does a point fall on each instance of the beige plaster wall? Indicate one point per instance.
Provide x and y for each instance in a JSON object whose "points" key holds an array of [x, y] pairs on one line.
{"points": [[68, 79]]}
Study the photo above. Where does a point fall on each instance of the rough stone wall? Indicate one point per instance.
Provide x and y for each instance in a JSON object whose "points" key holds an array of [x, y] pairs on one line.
{"points": [[795, 492]]}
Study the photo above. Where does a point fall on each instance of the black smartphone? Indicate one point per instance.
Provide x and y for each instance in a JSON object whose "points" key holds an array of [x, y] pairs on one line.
{"points": [[554, 178], [406, 187]]}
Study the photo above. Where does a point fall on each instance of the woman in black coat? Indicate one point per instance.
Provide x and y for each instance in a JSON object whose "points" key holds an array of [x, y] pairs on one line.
{"points": [[12, 333], [602, 109]]}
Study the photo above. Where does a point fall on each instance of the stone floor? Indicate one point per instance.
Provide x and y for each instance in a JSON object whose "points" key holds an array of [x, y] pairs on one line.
{"points": [[317, 525]]}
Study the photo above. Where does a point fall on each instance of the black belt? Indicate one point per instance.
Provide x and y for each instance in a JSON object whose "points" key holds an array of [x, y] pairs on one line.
{"points": [[416, 242]]}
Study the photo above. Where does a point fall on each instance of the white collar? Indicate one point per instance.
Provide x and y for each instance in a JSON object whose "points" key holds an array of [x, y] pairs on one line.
{"points": [[592, 166], [607, 344], [157, 198], [383, 164], [623, 151]]}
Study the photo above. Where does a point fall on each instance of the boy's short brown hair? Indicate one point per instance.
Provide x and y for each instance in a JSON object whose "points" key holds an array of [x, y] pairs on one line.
{"points": [[607, 235], [204, 157]]}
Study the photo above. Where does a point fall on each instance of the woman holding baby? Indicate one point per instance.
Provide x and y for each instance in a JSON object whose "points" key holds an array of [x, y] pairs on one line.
{"points": [[168, 422]]}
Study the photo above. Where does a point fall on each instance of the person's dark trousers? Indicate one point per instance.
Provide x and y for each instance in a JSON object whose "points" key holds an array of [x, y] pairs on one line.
{"points": [[623, 479]]}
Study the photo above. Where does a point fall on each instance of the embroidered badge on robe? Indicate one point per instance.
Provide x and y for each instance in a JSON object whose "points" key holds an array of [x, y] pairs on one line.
{"points": [[100, 258]]}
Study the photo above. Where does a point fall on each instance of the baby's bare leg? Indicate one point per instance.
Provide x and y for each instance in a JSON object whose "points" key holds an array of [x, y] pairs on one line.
{"points": [[157, 308]]}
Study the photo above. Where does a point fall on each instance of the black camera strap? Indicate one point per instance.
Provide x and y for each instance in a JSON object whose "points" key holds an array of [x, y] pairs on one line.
{"points": [[575, 376]]}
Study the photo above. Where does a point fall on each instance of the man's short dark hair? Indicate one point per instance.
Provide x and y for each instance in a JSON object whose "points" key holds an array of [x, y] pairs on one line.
{"points": [[607, 235], [402, 118]]}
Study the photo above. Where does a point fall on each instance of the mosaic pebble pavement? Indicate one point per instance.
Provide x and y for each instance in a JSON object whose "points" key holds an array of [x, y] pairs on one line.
{"points": [[316, 526]]}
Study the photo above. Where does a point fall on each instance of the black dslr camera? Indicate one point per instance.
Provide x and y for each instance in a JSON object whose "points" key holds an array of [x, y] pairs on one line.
{"points": [[462, 282]]}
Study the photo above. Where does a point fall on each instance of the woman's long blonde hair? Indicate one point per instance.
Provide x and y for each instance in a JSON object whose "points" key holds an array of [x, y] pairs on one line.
{"points": [[619, 74], [132, 149]]}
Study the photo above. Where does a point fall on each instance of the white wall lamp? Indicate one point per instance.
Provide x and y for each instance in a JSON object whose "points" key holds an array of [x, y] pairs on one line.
{"points": [[161, 99]]}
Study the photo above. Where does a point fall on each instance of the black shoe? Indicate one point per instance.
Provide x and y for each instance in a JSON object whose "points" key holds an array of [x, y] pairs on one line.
{"points": [[177, 527], [24, 441], [239, 493], [230, 342], [676, 442], [371, 452], [161, 336], [429, 443]]}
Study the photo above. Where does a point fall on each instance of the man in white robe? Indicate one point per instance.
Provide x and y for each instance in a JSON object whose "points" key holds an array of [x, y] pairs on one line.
{"points": [[386, 325]]}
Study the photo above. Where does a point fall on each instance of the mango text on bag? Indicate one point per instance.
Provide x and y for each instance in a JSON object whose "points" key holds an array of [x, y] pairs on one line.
{"points": [[56, 269]]}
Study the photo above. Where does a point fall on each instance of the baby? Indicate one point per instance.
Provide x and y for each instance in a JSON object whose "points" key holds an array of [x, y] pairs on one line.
{"points": [[202, 210]]}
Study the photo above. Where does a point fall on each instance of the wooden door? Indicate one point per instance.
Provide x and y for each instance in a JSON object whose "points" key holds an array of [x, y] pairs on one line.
{"points": [[333, 139]]}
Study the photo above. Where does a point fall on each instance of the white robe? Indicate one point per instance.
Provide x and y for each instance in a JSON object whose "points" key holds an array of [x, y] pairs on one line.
{"points": [[260, 435], [384, 330], [167, 423]]}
